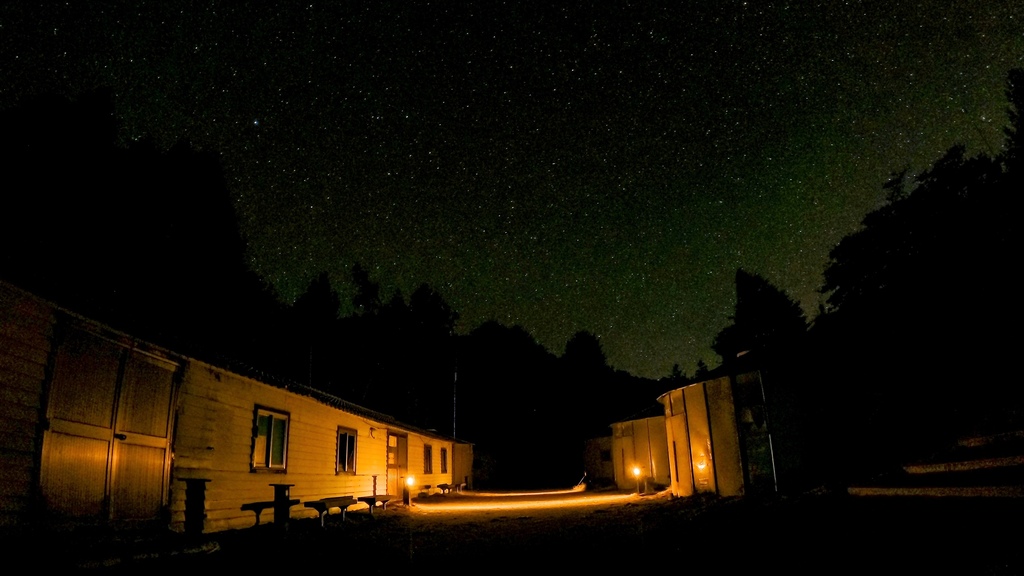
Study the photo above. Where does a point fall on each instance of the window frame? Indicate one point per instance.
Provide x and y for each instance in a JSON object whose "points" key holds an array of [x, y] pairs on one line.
{"points": [[428, 459], [348, 465], [444, 459], [265, 443]]}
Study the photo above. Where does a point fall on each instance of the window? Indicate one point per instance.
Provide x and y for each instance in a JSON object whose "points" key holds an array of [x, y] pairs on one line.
{"points": [[270, 440], [346, 463], [444, 460], [428, 459]]}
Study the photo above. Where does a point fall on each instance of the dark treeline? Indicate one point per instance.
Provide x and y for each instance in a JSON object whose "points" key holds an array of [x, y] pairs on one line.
{"points": [[146, 241], [915, 346], [526, 409]]}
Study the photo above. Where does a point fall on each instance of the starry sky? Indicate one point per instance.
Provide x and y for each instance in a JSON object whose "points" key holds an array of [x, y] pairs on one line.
{"points": [[600, 166]]}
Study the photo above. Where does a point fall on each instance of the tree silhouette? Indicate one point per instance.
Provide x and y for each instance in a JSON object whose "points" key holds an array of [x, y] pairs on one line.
{"points": [[677, 376], [766, 320], [505, 381], [430, 313], [1013, 148], [397, 357], [584, 353], [702, 370], [918, 301], [314, 338], [317, 307], [367, 296], [145, 240]]}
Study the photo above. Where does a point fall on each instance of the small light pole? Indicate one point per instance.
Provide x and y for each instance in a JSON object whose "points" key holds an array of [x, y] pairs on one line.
{"points": [[636, 474], [406, 492]]}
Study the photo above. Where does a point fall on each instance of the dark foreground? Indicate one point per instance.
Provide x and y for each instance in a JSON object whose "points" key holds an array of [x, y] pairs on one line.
{"points": [[816, 533]]}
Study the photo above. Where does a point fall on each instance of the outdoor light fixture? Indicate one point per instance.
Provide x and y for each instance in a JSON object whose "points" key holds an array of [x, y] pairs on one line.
{"points": [[636, 474], [407, 490]]}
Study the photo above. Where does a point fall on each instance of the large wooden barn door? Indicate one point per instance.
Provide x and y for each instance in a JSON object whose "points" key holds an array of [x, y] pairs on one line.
{"points": [[107, 443]]}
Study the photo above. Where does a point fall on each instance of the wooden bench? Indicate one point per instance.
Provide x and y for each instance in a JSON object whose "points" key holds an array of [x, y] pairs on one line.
{"points": [[281, 503], [259, 507], [324, 506], [446, 488], [375, 499]]}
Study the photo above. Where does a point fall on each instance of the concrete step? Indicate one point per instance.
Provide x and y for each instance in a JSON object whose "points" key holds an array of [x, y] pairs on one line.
{"points": [[1012, 438], [965, 465], [980, 466], [939, 491]]}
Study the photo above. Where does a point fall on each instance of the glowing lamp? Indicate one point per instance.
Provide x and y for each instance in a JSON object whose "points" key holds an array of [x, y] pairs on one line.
{"points": [[407, 490], [636, 474]]}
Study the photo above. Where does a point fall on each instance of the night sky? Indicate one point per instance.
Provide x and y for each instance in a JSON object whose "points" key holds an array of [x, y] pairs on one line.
{"points": [[606, 166]]}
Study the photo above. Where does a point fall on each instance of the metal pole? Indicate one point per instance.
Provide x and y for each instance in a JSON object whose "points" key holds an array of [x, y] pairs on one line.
{"points": [[455, 384], [768, 426], [455, 379]]}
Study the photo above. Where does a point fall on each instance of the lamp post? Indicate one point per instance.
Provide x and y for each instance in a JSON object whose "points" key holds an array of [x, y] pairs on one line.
{"points": [[636, 474], [406, 492]]}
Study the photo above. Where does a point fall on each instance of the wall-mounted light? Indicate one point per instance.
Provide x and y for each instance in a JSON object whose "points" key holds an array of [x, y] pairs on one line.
{"points": [[636, 473]]}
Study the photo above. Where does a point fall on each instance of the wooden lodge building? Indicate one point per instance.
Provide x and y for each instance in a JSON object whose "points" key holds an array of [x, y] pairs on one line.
{"points": [[707, 437], [638, 446], [101, 428], [717, 437]]}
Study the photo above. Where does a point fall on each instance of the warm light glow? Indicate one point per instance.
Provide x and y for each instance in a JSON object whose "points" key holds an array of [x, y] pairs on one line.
{"points": [[506, 502], [702, 465], [410, 481], [532, 492], [636, 471]]}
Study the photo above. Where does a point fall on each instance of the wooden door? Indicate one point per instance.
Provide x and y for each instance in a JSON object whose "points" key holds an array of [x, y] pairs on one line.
{"points": [[106, 450], [398, 463], [80, 418], [141, 459]]}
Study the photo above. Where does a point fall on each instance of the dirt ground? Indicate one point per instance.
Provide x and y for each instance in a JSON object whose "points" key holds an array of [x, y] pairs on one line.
{"points": [[816, 533]]}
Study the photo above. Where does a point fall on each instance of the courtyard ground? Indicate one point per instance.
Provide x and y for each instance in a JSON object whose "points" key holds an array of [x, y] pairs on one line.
{"points": [[814, 533]]}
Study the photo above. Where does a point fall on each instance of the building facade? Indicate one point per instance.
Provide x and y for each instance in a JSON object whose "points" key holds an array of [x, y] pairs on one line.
{"points": [[102, 428]]}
